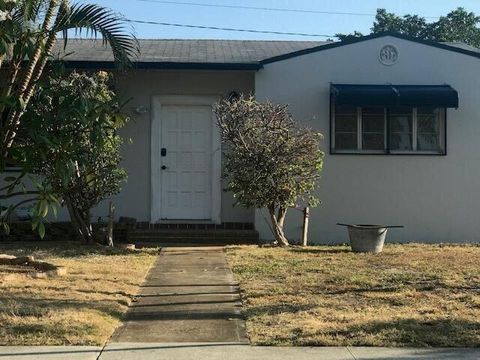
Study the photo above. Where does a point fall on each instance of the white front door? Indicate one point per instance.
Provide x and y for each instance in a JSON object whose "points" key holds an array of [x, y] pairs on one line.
{"points": [[186, 162]]}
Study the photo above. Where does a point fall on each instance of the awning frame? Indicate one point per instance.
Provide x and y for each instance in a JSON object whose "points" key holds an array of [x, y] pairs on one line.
{"points": [[390, 95]]}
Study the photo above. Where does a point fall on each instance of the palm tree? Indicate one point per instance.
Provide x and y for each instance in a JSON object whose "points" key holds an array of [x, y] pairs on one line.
{"points": [[28, 32]]}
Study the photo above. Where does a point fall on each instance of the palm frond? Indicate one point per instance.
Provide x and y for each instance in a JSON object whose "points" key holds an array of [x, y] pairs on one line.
{"points": [[29, 10], [96, 20]]}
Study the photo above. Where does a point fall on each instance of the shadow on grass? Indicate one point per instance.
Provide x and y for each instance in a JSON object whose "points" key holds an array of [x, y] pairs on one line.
{"points": [[59, 331], [64, 249], [43, 307], [276, 309], [86, 291], [321, 250], [412, 332]]}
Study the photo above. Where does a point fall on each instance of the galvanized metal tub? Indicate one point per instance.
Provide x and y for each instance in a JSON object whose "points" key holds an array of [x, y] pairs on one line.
{"points": [[367, 238]]}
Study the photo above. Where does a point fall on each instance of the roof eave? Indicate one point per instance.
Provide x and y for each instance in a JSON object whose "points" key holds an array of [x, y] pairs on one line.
{"points": [[108, 65]]}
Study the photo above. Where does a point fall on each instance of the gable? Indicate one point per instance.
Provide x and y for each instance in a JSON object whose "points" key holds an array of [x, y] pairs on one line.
{"points": [[454, 47]]}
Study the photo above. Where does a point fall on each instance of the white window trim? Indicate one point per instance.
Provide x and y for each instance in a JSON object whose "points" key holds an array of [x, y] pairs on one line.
{"points": [[414, 151], [155, 161]]}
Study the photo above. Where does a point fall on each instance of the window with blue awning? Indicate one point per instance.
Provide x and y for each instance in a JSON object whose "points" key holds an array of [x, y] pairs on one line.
{"points": [[390, 119]]}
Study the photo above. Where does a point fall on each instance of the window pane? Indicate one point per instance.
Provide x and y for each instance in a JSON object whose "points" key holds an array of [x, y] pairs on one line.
{"points": [[428, 129], [346, 123], [346, 141], [373, 141], [346, 128], [373, 128], [401, 120], [345, 110], [373, 120], [428, 142], [401, 142], [428, 120]]}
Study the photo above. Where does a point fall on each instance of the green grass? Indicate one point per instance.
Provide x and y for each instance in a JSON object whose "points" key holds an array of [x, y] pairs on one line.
{"points": [[409, 295]]}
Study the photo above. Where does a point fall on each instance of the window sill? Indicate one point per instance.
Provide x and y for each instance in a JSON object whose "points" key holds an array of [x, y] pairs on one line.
{"points": [[401, 153]]}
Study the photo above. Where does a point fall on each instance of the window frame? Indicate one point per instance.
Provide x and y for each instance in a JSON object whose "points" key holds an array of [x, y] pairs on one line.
{"points": [[387, 150]]}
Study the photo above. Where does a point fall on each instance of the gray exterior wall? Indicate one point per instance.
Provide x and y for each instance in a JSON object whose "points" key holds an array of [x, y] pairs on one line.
{"points": [[140, 86], [437, 198]]}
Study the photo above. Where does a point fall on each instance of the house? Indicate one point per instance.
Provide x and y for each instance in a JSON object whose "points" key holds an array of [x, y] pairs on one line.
{"points": [[400, 117]]}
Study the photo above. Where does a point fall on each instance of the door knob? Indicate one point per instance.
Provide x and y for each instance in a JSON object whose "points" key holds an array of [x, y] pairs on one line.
{"points": [[163, 167]]}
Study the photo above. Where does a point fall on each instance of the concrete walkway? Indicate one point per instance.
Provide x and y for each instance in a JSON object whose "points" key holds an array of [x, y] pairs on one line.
{"points": [[189, 296]]}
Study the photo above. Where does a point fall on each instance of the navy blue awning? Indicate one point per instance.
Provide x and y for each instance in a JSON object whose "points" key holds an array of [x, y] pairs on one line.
{"points": [[395, 95]]}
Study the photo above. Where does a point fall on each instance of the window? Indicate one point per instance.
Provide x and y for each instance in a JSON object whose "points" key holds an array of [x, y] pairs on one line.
{"points": [[401, 129], [373, 128], [396, 130], [346, 128], [429, 129]]}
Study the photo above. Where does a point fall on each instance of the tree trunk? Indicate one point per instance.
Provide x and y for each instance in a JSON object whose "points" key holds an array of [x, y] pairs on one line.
{"points": [[277, 225], [13, 118], [282, 212], [111, 210], [81, 223], [37, 72], [40, 47], [306, 216]]}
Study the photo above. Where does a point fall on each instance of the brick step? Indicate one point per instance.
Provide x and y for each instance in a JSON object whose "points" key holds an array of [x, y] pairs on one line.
{"points": [[187, 242], [193, 236], [193, 233]]}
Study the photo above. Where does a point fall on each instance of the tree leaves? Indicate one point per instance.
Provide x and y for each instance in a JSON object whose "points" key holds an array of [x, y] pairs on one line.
{"points": [[269, 159], [71, 142], [458, 25]]}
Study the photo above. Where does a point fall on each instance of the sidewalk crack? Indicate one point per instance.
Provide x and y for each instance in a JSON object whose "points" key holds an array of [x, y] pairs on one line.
{"points": [[353, 356]]}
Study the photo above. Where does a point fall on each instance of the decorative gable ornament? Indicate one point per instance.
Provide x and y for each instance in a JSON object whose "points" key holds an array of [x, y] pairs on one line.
{"points": [[388, 55]]}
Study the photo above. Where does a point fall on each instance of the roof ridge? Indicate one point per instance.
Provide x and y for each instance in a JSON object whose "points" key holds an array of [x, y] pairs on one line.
{"points": [[232, 40]]}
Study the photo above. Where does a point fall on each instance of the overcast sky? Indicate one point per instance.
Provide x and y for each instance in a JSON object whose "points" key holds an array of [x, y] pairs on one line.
{"points": [[283, 21]]}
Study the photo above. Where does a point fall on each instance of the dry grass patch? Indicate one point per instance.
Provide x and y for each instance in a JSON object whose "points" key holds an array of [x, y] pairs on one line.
{"points": [[82, 308], [409, 295]]}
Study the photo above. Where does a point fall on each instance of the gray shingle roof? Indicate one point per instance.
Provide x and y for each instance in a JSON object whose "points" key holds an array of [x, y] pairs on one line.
{"points": [[218, 54], [187, 51], [462, 45]]}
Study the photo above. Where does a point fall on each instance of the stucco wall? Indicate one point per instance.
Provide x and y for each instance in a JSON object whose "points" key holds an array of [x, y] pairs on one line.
{"points": [[139, 86], [437, 198]]}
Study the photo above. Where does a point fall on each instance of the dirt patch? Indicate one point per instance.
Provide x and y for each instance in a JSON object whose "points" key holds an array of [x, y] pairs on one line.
{"points": [[12, 267]]}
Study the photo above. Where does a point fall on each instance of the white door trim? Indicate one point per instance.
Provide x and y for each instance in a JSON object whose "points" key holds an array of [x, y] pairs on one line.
{"points": [[155, 134]]}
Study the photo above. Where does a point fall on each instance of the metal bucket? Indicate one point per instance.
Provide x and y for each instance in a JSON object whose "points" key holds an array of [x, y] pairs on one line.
{"points": [[367, 238]]}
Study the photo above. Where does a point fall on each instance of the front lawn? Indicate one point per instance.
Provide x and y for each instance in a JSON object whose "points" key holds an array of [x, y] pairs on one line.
{"points": [[82, 308], [409, 295]]}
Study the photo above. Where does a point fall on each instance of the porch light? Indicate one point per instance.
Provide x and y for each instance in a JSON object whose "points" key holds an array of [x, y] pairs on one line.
{"points": [[140, 110]]}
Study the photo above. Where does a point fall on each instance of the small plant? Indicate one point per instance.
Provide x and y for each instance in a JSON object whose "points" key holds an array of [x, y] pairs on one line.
{"points": [[270, 161]]}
